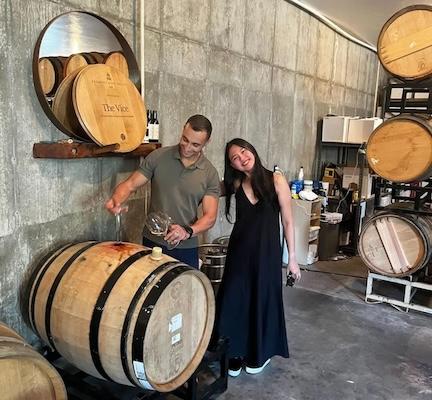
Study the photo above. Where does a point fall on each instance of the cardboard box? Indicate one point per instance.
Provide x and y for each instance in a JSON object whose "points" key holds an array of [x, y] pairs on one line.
{"points": [[335, 129], [350, 175], [359, 130]]}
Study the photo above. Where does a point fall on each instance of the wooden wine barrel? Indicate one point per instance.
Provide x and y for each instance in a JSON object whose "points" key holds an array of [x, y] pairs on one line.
{"points": [[24, 373], [405, 43], [116, 313], [223, 240], [396, 244], [117, 60], [213, 257], [109, 107], [400, 149], [98, 58], [74, 62], [64, 110], [50, 74]]}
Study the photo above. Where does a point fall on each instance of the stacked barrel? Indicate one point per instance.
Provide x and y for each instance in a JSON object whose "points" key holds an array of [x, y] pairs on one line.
{"points": [[398, 243], [24, 373], [93, 98]]}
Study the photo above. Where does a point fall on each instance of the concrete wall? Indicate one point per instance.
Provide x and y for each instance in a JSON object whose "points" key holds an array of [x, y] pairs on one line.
{"points": [[262, 70]]}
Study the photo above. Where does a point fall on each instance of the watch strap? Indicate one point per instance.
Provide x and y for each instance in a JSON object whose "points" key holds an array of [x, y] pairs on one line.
{"points": [[188, 229]]}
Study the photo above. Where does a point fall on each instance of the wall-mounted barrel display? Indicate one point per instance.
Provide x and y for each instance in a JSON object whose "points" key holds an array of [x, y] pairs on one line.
{"points": [[116, 313], [405, 43], [400, 149], [396, 244], [24, 373]]}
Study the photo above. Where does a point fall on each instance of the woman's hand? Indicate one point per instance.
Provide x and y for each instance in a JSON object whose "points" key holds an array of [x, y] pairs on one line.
{"points": [[294, 268]]}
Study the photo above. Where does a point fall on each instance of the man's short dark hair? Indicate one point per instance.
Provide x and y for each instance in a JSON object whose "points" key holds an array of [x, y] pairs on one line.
{"points": [[200, 123]]}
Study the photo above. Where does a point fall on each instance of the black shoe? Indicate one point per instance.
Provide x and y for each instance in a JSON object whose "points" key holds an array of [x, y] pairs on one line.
{"points": [[235, 366]]}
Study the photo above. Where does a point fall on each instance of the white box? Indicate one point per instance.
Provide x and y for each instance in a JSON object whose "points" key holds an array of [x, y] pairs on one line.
{"points": [[359, 130], [352, 176], [335, 129]]}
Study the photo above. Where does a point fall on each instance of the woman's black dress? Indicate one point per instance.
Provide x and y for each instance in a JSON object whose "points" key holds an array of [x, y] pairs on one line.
{"points": [[249, 302]]}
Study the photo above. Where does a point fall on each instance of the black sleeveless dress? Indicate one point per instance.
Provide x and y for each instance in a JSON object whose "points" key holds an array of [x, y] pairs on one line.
{"points": [[249, 302]]}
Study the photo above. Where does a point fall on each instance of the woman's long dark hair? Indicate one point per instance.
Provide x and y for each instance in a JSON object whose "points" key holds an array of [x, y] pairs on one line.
{"points": [[261, 177]]}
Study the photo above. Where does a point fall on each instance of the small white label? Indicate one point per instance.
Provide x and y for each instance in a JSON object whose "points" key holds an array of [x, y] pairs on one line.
{"points": [[139, 370], [145, 384], [175, 323], [176, 338], [155, 132]]}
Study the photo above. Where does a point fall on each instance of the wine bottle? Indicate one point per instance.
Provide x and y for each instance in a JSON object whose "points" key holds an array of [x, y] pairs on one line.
{"points": [[155, 137], [146, 136], [151, 126]]}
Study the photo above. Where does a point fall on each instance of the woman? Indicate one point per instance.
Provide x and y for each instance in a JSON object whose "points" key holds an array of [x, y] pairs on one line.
{"points": [[249, 304]]}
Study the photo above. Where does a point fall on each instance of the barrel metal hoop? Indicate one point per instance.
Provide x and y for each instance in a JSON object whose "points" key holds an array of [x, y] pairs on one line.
{"points": [[54, 287], [99, 307], [147, 309], [41, 269], [130, 311]]}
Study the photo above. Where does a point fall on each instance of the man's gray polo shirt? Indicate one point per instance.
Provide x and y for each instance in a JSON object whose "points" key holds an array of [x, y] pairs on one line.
{"points": [[176, 190]]}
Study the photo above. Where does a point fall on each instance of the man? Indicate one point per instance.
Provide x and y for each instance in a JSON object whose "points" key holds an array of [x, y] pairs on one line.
{"points": [[181, 179]]}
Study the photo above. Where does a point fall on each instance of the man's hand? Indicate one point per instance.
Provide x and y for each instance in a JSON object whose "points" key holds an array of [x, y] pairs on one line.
{"points": [[113, 207], [176, 234]]}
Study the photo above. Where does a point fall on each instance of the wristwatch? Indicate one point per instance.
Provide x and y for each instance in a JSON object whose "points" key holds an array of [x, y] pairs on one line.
{"points": [[188, 229]]}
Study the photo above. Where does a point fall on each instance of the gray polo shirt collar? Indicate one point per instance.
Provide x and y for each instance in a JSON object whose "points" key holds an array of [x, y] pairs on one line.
{"points": [[200, 163]]}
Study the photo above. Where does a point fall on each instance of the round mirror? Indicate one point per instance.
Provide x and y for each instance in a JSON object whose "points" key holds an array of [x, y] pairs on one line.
{"points": [[67, 44]]}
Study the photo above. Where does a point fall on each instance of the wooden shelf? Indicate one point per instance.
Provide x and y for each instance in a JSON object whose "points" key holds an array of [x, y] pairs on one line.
{"points": [[73, 150]]}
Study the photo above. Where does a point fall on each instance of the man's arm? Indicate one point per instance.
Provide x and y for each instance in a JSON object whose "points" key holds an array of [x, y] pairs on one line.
{"points": [[210, 209], [124, 190]]}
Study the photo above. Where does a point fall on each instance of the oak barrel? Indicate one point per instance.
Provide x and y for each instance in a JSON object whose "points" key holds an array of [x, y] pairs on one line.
{"points": [[64, 110], [400, 149], [116, 313], [223, 240], [74, 62], [50, 74], [117, 60], [405, 43], [24, 373], [212, 264], [396, 245]]}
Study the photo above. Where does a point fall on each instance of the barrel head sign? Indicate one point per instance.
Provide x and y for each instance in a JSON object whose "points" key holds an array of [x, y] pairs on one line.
{"points": [[109, 107]]}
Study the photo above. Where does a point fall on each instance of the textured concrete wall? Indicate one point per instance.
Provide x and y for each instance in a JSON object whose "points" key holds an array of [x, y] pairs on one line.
{"points": [[45, 203], [262, 70]]}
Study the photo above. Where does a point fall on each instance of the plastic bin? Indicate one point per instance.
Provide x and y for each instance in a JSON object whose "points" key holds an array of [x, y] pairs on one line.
{"points": [[328, 244]]}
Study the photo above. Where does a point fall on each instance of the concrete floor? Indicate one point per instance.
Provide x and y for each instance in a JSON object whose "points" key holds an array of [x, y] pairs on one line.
{"points": [[341, 347]]}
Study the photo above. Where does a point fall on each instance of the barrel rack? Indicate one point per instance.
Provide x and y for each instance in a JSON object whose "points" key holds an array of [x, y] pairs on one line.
{"points": [[413, 97], [410, 285], [208, 380], [420, 195], [414, 203]]}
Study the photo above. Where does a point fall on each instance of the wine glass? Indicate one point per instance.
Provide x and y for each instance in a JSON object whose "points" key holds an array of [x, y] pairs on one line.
{"points": [[158, 224]]}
